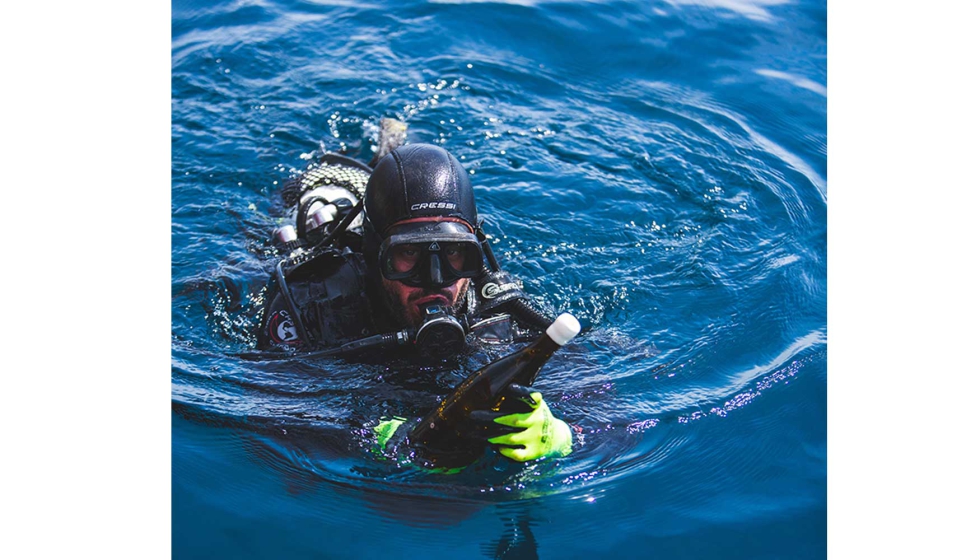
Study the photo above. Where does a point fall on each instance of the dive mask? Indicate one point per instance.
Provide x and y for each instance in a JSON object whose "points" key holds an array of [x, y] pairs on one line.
{"points": [[430, 254]]}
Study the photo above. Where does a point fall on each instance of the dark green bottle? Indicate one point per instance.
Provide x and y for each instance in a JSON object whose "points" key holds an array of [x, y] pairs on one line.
{"points": [[443, 436]]}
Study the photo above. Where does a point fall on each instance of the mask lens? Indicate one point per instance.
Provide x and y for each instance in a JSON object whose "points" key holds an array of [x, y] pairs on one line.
{"points": [[403, 258], [437, 256], [456, 256]]}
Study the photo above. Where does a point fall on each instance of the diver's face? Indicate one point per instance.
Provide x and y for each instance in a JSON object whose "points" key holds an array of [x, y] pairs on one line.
{"points": [[409, 303]]}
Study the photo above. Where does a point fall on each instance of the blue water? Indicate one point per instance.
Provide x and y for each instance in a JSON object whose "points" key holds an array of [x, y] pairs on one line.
{"points": [[658, 169]]}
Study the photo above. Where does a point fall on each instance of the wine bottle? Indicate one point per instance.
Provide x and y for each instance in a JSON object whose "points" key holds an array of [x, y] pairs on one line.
{"points": [[442, 436]]}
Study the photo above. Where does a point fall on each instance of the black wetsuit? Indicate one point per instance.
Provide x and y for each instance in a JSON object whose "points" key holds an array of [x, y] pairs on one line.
{"points": [[333, 296]]}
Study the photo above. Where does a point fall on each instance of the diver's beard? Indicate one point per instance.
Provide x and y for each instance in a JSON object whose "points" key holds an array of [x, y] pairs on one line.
{"points": [[403, 315]]}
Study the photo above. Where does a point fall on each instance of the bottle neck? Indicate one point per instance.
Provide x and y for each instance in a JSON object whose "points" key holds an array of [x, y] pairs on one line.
{"points": [[545, 345], [537, 354]]}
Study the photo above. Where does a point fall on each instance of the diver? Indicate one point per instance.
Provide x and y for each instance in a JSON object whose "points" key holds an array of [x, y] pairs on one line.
{"points": [[413, 274]]}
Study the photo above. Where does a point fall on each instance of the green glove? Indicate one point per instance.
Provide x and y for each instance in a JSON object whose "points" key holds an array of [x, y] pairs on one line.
{"points": [[384, 430], [539, 434]]}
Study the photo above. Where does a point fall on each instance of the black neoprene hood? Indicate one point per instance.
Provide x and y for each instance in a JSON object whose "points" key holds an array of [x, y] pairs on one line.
{"points": [[417, 181]]}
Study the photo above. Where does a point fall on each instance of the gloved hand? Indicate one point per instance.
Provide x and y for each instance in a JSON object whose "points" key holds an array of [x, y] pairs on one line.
{"points": [[385, 429], [394, 431], [527, 435]]}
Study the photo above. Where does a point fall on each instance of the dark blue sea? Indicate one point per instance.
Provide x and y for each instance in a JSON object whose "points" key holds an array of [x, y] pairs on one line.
{"points": [[656, 168]]}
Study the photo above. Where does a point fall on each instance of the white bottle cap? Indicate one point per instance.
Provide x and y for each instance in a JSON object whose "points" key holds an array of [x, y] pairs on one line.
{"points": [[564, 329]]}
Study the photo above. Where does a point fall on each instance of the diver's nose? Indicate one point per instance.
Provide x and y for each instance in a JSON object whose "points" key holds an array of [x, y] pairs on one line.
{"points": [[435, 269]]}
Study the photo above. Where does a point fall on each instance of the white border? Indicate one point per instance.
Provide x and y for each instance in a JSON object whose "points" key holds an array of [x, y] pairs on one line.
{"points": [[903, 123], [86, 214]]}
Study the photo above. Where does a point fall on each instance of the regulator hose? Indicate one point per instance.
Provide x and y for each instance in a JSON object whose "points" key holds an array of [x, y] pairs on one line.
{"points": [[520, 308], [376, 342], [342, 226], [284, 290], [524, 311]]}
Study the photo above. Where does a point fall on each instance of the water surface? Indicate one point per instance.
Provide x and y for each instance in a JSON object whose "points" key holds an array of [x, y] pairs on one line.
{"points": [[656, 168]]}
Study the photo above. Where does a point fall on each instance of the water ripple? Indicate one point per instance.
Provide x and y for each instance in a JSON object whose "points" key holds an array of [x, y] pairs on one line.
{"points": [[662, 184]]}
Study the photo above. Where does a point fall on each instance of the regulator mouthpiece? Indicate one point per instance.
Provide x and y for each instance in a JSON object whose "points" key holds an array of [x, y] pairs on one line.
{"points": [[440, 336]]}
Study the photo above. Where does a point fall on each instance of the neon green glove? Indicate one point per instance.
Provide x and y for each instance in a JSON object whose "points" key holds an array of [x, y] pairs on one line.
{"points": [[540, 434], [384, 430]]}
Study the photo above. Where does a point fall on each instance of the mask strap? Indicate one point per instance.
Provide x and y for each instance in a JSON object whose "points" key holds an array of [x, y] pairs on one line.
{"points": [[482, 238]]}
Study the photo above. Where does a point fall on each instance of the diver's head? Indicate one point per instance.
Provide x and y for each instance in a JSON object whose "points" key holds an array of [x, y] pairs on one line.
{"points": [[420, 241]]}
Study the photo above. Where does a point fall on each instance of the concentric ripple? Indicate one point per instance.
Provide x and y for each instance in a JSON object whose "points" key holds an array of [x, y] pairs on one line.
{"points": [[660, 172]]}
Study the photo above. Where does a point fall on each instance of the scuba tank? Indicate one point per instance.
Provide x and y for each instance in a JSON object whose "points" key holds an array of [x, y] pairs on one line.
{"points": [[328, 192], [323, 197]]}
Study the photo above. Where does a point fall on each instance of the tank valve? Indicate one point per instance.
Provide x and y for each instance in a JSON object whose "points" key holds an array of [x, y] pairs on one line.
{"points": [[323, 215]]}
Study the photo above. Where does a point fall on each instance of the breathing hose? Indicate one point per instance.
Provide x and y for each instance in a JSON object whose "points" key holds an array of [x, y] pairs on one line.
{"points": [[302, 214], [297, 320], [524, 311], [376, 342], [520, 307], [342, 227]]}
